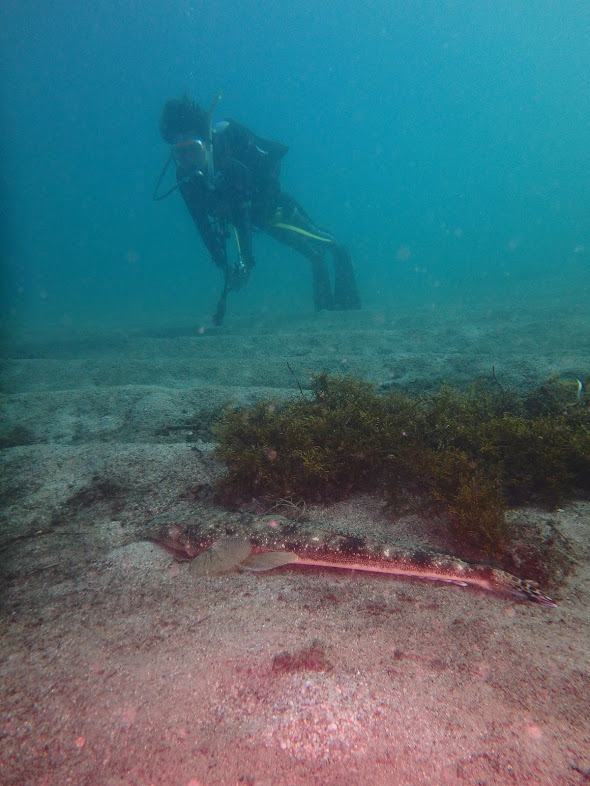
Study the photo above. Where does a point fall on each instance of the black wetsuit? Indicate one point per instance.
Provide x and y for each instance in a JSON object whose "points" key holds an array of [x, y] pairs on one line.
{"points": [[246, 193]]}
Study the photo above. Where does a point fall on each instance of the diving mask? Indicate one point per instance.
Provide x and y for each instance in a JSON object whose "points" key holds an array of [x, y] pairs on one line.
{"points": [[191, 154], [195, 157]]}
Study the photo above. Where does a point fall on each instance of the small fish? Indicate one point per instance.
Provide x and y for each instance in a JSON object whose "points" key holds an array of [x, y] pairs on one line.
{"points": [[267, 542]]}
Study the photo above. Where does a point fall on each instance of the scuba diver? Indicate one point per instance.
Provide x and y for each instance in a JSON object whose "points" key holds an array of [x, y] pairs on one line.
{"points": [[229, 177]]}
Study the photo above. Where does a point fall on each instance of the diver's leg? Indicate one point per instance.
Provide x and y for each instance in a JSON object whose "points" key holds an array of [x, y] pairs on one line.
{"points": [[293, 227], [322, 288], [346, 294], [310, 239]]}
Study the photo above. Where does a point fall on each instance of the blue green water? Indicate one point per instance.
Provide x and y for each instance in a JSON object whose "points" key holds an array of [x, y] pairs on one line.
{"points": [[446, 143]]}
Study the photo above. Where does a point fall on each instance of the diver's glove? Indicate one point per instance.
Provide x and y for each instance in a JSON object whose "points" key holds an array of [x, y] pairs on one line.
{"points": [[238, 277]]}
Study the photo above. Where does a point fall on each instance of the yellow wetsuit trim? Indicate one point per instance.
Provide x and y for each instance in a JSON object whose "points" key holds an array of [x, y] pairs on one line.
{"points": [[281, 225], [237, 237]]}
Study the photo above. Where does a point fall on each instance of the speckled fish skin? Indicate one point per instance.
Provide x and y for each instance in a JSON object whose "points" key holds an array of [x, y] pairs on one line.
{"points": [[318, 545]]}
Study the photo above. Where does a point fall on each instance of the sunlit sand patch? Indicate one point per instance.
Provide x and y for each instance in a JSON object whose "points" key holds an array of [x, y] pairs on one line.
{"points": [[316, 718]]}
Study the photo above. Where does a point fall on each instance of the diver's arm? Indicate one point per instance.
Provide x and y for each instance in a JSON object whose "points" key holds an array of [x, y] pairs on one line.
{"points": [[214, 241], [240, 270], [241, 221]]}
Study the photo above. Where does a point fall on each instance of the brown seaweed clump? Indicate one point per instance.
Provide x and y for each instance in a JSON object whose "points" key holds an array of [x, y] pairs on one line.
{"points": [[473, 452]]}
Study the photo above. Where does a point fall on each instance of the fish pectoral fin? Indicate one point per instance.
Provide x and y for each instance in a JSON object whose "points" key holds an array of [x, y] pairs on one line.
{"points": [[222, 556], [268, 560]]}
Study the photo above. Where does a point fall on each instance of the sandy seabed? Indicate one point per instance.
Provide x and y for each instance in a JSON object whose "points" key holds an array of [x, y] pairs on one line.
{"points": [[119, 667]]}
